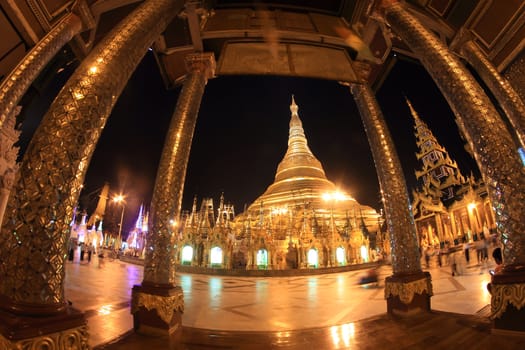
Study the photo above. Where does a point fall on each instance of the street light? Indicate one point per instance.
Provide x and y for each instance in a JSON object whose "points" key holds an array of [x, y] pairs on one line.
{"points": [[120, 199]]}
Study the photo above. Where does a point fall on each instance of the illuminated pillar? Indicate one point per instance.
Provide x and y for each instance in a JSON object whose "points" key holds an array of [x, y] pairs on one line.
{"points": [[157, 304], [8, 154], [515, 74], [409, 288], [36, 227], [494, 151], [507, 97], [15, 85]]}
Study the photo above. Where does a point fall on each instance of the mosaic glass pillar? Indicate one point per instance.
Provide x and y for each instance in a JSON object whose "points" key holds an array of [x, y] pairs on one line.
{"points": [[409, 287], [508, 99], [157, 304], [8, 154], [492, 145], [18, 81], [33, 240], [515, 74]]}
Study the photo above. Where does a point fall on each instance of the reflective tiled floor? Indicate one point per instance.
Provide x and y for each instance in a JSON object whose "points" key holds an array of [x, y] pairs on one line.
{"points": [[311, 312]]}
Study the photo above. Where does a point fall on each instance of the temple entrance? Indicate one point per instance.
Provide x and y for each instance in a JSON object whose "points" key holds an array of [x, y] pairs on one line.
{"points": [[340, 255], [262, 259], [216, 258], [313, 258], [187, 255]]}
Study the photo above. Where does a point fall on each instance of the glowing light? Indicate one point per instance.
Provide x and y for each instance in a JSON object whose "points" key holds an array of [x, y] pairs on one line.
{"points": [[187, 254], [521, 152], [279, 211], [105, 309], [118, 199], [364, 253], [335, 196], [216, 255], [340, 255], [339, 196], [483, 287], [313, 258], [471, 206], [93, 70], [262, 258], [78, 95], [283, 337]]}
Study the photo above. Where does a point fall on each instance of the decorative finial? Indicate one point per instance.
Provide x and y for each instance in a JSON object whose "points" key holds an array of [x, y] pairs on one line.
{"points": [[412, 110], [293, 107]]}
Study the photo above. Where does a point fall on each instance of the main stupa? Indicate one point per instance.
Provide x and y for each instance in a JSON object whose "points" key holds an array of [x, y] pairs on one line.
{"points": [[301, 221], [301, 184]]}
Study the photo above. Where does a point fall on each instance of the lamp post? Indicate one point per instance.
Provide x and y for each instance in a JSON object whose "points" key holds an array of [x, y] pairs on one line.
{"points": [[120, 199]]}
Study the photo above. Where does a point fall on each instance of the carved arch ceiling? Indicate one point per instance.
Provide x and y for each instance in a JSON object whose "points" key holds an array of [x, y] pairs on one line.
{"points": [[268, 42]]}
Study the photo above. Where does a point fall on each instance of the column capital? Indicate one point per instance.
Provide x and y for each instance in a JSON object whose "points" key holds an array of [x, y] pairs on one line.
{"points": [[462, 36], [203, 62], [82, 10]]}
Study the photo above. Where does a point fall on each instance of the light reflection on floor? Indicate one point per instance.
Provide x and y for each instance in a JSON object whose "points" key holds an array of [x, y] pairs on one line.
{"points": [[262, 304], [342, 335]]}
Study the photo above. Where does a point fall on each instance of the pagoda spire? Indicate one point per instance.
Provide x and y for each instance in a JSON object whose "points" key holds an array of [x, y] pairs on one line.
{"points": [[192, 222], [140, 218], [440, 175], [298, 160]]}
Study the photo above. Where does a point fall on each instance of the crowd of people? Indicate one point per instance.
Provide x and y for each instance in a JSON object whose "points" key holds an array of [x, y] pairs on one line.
{"points": [[85, 252], [459, 256]]}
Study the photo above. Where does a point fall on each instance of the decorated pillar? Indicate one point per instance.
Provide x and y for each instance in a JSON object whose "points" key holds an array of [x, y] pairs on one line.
{"points": [[515, 74], [157, 304], [33, 240], [15, 85], [495, 153], [409, 288], [507, 97], [8, 155]]}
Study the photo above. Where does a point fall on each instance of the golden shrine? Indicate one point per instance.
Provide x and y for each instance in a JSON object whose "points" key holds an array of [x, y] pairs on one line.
{"points": [[302, 220]]}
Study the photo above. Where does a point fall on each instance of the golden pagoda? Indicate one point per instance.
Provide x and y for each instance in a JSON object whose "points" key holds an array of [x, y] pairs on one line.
{"points": [[302, 220]]}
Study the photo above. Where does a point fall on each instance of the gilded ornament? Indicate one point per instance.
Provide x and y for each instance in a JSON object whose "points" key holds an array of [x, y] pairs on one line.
{"points": [[165, 306], [71, 339], [407, 290], [505, 294]]}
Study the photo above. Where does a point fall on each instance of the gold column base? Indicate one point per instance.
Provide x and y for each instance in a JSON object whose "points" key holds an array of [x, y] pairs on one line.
{"points": [[508, 300], [407, 294], [67, 330], [157, 310]]}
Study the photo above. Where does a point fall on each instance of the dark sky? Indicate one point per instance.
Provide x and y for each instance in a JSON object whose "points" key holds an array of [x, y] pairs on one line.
{"points": [[242, 134]]}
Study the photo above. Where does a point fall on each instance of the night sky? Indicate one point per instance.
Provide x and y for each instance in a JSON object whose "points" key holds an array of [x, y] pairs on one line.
{"points": [[242, 133]]}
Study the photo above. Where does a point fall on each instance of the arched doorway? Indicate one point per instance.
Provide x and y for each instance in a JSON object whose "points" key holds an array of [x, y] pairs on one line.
{"points": [[187, 255]]}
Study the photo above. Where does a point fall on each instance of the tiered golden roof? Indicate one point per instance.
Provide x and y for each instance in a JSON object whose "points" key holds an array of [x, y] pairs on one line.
{"points": [[300, 183]]}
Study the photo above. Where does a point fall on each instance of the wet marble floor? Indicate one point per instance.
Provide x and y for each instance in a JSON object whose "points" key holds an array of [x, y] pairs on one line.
{"points": [[286, 312]]}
